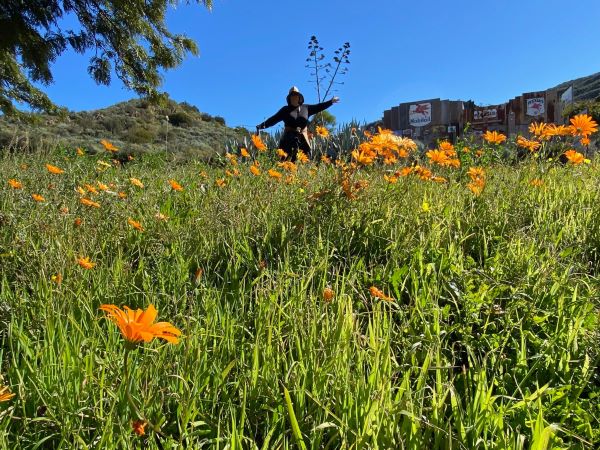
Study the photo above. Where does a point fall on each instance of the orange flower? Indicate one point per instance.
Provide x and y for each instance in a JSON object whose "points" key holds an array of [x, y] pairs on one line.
{"points": [[390, 179], [536, 182], [175, 185], [77, 222], [585, 141], [529, 145], [325, 159], [377, 293], [258, 143], [405, 171], [108, 146], [79, 151], [245, 153], [135, 224], [232, 158], [255, 170], [138, 427], [583, 125], [102, 186], [54, 169], [447, 147], [302, 157], [136, 182], [137, 326], [64, 210], [328, 294], [122, 195], [91, 189], [493, 137], [363, 157], [220, 182], [161, 216], [5, 394], [439, 179], [274, 174], [86, 263], [476, 173], [281, 153], [574, 157], [15, 184], [57, 278], [437, 157], [537, 129], [88, 202], [556, 130], [476, 187], [322, 131], [38, 198]]}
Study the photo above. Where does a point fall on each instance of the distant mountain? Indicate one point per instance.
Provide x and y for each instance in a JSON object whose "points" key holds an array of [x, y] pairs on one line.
{"points": [[133, 126], [585, 88]]}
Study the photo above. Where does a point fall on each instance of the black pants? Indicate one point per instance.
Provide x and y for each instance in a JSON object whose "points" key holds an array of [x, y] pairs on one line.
{"points": [[291, 142]]}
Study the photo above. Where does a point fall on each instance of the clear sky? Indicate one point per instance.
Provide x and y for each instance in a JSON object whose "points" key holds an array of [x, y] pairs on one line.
{"points": [[252, 52]]}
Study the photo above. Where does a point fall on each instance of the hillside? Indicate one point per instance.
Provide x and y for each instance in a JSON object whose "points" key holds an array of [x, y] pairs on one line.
{"points": [[133, 126], [585, 88]]}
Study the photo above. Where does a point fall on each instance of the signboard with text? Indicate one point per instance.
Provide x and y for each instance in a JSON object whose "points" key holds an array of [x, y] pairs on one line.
{"points": [[536, 106], [419, 115]]}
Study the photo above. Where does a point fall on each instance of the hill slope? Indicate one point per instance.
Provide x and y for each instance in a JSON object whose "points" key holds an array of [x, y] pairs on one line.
{"points": [[133, 126]]}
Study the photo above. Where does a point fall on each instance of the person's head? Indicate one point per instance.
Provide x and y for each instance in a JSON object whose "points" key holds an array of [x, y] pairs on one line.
{"points": [[295, 98]]}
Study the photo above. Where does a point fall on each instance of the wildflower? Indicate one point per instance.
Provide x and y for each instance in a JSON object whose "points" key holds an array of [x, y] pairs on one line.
{"points": [[529, 145], [328, 294], [88, 202], [15, 184], [80, 190], [288, 166], [302, 157], [493, 137], [446, 147], [198, 275], [135, 224], [437, 157], [552, 130], [476, 173], [136, 182], [405, 171], [258, 143], [325, 159], [362, 157], [54, 169], [232, 158], [390, 179], [439, 179], [57, 278], [281, 153], [245, 153], [220, 182], [79, 151], [574, 157], [64, 210], [122, 195], [104, 164], [175, 185], [203, 174], [585, 141], [476, 187], [91, 189], [161, 216], [583, 125], [5, 394], [322, 131], [138, 427], [38, 198], [425, 206], [137, 326], [536, 182], [108, 146], [537, 129], [102, 186], [255, 170], [377, 293], [86, 263], [77, 222], [274, 174]]}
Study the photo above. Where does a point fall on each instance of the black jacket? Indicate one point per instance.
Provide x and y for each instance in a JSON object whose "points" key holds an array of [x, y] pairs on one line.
{"points": [[295, 116]]}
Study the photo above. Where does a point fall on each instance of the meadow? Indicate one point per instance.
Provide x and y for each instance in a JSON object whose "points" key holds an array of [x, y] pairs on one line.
{"points": [[394, 299]]}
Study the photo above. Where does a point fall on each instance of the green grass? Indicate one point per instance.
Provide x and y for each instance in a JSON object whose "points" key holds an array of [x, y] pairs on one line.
{"points": [[492, 340]]}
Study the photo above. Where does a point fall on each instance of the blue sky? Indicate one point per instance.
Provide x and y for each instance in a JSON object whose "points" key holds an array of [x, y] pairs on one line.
{"points": [[252, 52]]}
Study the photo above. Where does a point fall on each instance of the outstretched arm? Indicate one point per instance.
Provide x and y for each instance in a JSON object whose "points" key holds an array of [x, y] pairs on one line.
{"points": [[314, 109], [278, 117]]}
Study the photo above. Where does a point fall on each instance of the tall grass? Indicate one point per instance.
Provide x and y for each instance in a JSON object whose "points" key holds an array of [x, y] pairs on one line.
{"points": [[491, 342]]}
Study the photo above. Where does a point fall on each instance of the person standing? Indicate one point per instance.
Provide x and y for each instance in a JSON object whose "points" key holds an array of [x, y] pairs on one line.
{"points": [[295, 118]]}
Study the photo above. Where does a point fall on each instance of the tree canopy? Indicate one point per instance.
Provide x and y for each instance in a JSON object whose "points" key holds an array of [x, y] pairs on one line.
{"points": [[127, 37]]}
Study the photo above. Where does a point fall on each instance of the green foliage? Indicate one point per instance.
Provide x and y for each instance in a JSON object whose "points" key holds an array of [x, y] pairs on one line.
{"points": [[591, 107], [492, 340], [325, 73], [181, 119], [129, 38]]}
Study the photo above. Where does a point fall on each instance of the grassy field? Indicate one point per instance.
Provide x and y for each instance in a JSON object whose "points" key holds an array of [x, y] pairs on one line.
{"points": [[488, 337]]}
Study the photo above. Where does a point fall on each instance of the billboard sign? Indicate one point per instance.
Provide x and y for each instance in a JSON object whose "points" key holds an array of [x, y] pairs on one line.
{"points": [[481, 115], [419, 115], [535, 106]]}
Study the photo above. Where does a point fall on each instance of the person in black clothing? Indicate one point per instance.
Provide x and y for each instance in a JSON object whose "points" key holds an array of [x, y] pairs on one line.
{"points": [[295, 117]]}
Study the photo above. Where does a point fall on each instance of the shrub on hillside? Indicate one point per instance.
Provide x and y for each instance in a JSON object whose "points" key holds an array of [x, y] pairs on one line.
{"points": [[181, 119], [219, 119], [141, 135]]}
